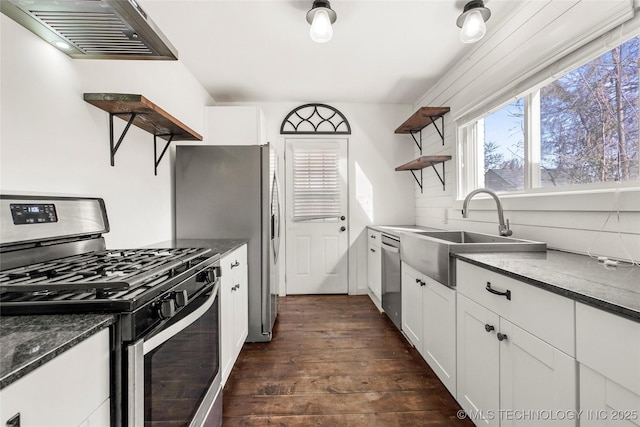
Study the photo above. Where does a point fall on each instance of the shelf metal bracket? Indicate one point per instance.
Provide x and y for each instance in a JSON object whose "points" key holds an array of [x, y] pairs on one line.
{"points": [[114, 147], [416, 178], [441, 178], [155, 151], [418, 140], [441, 133]]}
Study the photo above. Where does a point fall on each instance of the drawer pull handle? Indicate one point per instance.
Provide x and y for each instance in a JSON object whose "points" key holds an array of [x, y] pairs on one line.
{"points": [[372, 250], [373, 236], [501, 337], [489, 328], [506, 293], [235, 264], [423, 283]]}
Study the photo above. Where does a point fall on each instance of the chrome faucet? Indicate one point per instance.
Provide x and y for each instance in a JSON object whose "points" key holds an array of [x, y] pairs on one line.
{"points": [[503, 228]]}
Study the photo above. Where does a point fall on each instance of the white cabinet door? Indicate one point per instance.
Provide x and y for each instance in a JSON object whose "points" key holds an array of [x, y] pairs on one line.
{"points": [[478, 384], [412, 285], [234, 319], [65, 391], [605, 403], [240, 299], [439, 331], [534, 376], [374, 271]]}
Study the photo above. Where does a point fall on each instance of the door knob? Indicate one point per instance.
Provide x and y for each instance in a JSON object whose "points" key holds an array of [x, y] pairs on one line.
{"points": [[343, 228]]}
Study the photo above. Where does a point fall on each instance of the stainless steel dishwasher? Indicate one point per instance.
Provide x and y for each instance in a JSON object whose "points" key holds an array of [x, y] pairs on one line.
{"points": [[391, 291]]}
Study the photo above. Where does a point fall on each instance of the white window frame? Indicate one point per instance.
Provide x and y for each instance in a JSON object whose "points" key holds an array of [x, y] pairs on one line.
{"points": [[470, 142]]}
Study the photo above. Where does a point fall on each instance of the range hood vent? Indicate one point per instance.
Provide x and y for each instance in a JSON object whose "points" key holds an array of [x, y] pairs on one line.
{"points": [[93, 29]]}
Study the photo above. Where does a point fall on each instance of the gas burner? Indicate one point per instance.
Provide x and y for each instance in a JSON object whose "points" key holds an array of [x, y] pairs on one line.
{"points": [[112, 270]]}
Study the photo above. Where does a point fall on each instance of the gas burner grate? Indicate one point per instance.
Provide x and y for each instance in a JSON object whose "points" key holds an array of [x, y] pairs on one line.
{"points": [[103, 274]]}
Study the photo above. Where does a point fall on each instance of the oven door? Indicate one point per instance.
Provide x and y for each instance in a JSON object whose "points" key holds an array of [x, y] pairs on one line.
{"points": [[174, 373]]}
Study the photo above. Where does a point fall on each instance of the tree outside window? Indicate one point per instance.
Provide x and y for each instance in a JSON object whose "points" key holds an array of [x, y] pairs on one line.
{"points": [[587, 122]]}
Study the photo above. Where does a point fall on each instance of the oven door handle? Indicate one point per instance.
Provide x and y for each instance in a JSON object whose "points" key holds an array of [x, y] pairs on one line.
{"points": [[166, 332]]}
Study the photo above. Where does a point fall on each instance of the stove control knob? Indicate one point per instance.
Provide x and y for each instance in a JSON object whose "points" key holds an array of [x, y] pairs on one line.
{"points": [[167, 308], [181, 297]]}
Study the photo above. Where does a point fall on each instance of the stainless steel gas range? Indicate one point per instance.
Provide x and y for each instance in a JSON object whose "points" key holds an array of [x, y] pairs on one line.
{"points": [[165, 343]]}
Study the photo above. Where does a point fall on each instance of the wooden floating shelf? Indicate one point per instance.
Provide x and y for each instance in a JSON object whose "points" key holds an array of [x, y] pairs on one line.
{"points": [[138, 111], [422, 118], [422, 162], [149, 116]]}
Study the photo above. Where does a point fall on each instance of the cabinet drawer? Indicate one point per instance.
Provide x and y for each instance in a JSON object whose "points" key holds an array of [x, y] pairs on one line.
{"points": [[544, 314], [609, 344], [373, 237]]}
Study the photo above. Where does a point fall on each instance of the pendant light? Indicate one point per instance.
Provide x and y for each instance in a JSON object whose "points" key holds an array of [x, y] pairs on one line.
{"points": [[472, 21], [321, 16]]}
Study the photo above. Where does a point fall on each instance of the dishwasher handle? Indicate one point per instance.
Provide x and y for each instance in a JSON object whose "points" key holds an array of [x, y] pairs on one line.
{"points": [[390, 248]]}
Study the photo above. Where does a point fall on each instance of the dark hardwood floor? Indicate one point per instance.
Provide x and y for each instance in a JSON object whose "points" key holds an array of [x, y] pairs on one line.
{"points": [[335, 361]]}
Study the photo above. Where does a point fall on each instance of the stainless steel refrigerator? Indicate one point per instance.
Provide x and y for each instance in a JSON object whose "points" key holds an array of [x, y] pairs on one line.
{"points": [[232, 192]]}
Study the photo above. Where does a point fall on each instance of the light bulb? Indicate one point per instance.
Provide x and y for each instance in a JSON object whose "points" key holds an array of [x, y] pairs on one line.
{"points": [[321, 30], [61, 45], [473, 28]]}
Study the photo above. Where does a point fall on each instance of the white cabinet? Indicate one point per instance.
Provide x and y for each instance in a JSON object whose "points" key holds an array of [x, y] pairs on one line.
{"points": [[234, 306], [507, 374], [608, 349], [70, 390], [478, 382], [234, 125], [411, 285], [374, 267], [439, 331], [429, 322]]}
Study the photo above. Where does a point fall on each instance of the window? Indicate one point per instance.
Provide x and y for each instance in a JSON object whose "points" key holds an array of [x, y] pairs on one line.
{"points": [[579, 129], [316, 184]]}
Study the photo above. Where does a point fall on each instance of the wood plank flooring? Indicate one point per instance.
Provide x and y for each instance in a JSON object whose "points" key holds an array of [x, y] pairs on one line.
{"points": [[335, 360]]}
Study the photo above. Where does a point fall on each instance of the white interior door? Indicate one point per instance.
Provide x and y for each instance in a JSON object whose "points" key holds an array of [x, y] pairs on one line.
{"points": [[316, 216]]}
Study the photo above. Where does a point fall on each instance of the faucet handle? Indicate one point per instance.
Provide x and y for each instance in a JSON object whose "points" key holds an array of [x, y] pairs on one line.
{"points": [[506, 231]]}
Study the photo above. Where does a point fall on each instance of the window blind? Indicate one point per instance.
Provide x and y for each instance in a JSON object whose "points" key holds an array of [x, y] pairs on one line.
{"points": [[316, 184]]}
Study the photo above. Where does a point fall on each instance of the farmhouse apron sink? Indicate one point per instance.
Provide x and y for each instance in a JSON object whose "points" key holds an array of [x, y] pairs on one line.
{"points": [[429, 251]]}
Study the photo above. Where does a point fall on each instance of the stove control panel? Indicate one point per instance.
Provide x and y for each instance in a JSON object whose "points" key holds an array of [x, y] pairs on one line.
{"points": [[33, 213]]}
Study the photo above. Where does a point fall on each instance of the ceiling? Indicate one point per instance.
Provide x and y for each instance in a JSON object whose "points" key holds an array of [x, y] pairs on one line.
{"points": [[260, 51]]}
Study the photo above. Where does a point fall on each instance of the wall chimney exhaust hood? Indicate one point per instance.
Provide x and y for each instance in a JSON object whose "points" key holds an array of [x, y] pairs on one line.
{"points": [[93, 29]]}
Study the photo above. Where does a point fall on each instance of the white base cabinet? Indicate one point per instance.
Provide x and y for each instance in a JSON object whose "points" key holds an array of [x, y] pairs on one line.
{"points": [[374, 267], [507, 376], [69, 390], [234, 308], [429, 322], [608, 349]]}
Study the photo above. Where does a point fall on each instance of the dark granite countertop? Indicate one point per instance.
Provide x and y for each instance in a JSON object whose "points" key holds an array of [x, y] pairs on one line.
{"points": [[612, 288], [27, 342], [220, 246]]}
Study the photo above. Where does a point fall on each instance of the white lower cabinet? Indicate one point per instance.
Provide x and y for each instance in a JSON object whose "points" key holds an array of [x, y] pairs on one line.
{"points": [[439, 331], [429, 322], [608, 349], [234, 308], [506, 375], [374, 267], [411, 284], [70, 390]]}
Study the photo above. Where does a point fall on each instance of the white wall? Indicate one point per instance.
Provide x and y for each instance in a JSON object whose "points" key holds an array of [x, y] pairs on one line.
{"points": [[536, 37], [53, 142], [377, 194]]}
